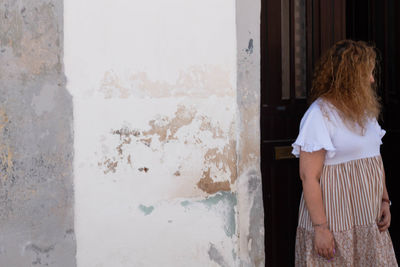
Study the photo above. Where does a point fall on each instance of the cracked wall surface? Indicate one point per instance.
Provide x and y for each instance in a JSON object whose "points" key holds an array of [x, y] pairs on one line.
{"points": [[36, 138], [165, 138], [154, 95]]}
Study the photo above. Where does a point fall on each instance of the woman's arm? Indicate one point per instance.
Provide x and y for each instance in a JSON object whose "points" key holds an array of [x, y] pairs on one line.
{"points": [[310, 172], [384, 216], [311, 165], [385, 192]]}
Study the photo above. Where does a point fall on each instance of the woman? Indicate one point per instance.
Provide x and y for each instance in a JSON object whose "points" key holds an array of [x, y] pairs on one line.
{"points": [[344, 210]]}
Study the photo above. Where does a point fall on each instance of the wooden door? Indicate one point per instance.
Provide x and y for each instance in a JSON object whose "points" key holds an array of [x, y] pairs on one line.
{"points": [[378, 22], [294, 33]]}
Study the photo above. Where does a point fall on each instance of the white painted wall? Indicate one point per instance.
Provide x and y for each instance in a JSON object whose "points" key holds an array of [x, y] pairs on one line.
{"points": [[154, 97]]}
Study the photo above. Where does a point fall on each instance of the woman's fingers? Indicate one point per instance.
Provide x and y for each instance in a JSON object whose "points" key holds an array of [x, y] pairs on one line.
{"points": [[384, 223], [327, 253], [385, 226], [380, 214], [331, 253], [324, 247], [321, 252], [383, 220]]}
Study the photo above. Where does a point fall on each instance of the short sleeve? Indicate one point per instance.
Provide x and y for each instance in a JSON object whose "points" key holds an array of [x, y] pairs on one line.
{"points": [[314, 134], [379, 130]]}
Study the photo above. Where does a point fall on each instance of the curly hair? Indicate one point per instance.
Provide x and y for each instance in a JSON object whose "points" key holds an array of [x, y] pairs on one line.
{"points": [[343, 78]]}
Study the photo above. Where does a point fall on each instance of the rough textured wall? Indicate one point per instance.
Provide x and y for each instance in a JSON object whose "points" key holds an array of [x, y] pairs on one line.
{"points": [[154, 91], [250, 200], [36, 194]]}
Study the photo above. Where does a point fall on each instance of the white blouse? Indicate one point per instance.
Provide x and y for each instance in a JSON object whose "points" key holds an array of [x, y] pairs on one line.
{"points": [[322, 128]]}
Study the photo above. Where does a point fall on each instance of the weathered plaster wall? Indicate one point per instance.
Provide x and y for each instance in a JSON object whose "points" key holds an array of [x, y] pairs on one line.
{"points": [[166, 133], [250, 200], [36, 196], [155, 122]]}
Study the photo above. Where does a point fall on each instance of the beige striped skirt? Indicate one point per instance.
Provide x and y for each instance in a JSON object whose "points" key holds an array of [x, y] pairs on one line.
{"points": [[352, 193]]}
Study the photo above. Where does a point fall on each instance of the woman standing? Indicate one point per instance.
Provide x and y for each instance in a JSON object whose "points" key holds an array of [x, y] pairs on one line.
{"points": [[344, 211]]}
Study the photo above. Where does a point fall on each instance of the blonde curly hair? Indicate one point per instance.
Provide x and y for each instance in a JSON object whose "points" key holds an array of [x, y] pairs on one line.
{"points": [[343, 78]]}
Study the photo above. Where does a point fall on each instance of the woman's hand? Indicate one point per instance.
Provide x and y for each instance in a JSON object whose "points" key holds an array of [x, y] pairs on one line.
{"points": [[324, 244], [384, 217]]}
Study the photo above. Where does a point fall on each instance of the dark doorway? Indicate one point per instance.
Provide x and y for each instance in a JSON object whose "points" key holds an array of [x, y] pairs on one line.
{"points": [[378, 22], [294, 33]]}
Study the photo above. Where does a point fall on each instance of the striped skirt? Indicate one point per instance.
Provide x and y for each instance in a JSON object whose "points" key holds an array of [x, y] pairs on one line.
{"points": [[352, 193]]}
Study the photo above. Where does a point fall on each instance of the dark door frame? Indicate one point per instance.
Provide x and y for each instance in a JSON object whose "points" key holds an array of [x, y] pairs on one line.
{"points": [[325, 24], [378, 22]]}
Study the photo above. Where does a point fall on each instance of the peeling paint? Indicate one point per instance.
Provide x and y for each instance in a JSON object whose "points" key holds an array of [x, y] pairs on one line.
{"points": [[146, 141], [126, 133], [213, 200], [219, 162], [207, 184], [124, 142], [167, 131], [224, 203], [144, 169], [249, 141], [207, 126], [225, 161], [230, 201], [185, 203], [146, 210], [177, 125], [110, 166], [111, 85], [227, 158], [195, 81]]}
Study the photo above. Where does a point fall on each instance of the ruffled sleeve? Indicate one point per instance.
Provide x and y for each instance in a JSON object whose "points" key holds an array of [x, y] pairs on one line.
{"points": [[314, 134], [380, 131]]}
